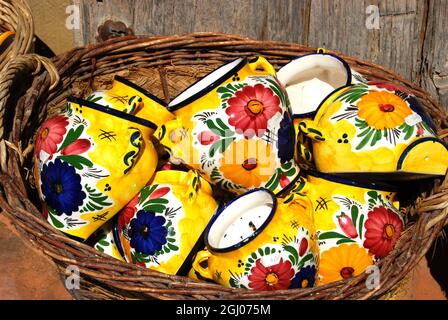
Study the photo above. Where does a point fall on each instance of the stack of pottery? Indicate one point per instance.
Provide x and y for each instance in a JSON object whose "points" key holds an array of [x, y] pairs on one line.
{"points": [[306, 153]]}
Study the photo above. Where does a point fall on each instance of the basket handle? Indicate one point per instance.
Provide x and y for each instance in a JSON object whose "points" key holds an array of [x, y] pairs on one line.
{"points": [[31, 63]]}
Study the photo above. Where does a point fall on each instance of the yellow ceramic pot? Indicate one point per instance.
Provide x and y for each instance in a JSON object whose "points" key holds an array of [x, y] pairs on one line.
{"points": [[377, 129], [6, 38], [308, 80], [356, 223], [89, 163], [235, 127], [128, 97], [161, 227], [262, 243]]}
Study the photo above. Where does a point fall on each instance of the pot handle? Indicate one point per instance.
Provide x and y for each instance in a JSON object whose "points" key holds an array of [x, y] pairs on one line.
{"points": [[262, 63], [311, 130], [202, 256], [168, 134], [135, 147], [194, 184]]}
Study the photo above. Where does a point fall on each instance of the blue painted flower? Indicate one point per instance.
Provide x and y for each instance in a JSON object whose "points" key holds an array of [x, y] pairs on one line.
{"points": [[286, 139], [61, 186], [148, 233], [304, 278]]}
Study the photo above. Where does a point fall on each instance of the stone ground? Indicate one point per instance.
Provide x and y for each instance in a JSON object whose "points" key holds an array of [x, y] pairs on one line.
{"points": [[26, 273]]}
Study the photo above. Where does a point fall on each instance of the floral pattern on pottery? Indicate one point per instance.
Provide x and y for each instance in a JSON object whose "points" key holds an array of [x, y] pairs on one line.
{"points": [[161, 226], [82, 162], [288, 264], [260, 242], [105, 242], [377, 128], [236, 129], [362, 221], [222, 136]]}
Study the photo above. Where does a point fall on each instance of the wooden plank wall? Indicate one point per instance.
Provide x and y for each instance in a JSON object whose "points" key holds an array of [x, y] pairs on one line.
{"points": [[412, 38]]}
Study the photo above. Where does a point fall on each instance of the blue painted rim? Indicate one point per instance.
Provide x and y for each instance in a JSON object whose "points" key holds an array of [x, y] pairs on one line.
{"points": [[113, 112], [251, 237], [361, 184], [210, 87], [413, 144]]}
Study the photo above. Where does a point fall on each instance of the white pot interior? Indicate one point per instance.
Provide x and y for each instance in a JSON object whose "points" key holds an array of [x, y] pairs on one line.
{"points": [[204, 82], [241, 219], [309, 79]]}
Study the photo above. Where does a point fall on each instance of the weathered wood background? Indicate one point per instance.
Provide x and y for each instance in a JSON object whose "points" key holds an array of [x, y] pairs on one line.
{"points": [[412, 38]]}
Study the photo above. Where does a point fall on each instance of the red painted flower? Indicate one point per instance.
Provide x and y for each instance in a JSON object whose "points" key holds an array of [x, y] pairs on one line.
{"points": [[127, 213], [389, 86], [251, 108], [76, 147], [347, 226], [383, 228], [159, 193], [207, 137], [303, 246], [275, 277], [50, 134]]}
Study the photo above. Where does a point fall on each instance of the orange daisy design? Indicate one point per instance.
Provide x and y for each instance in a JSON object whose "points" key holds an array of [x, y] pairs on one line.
{"points": [[382, 109]]}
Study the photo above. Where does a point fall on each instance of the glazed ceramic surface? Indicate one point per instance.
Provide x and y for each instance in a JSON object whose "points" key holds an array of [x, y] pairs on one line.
{"points": [[262, 243], [356, 223], [375, 128], [308, 80], [105, 241], [89, 163], [234, 126], [161, 227], [130, 98], [6, 38]]}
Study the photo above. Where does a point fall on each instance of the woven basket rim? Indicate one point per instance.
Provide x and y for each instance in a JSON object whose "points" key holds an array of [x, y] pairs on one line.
{"points": [[111, 277]]}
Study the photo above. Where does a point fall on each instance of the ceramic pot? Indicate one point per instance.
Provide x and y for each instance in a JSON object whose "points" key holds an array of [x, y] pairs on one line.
{"points": [[162, 227], [356, 223], [235, 127], [89, 163], [376, 129], [260, 242]]}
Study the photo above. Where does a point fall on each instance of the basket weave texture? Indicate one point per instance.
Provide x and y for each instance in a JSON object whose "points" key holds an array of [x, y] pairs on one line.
{"points": [[15, 16], [165, 66]]}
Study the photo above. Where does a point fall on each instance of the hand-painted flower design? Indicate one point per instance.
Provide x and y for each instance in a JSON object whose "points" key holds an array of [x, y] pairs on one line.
{"points": [[389, 86], [304, 278], [343, 262], [382, 109], [61, 186], [286, 139], [275, 277], [50, 134], [248, 163], [207, 137], [76, 147], [148, 233], [127, 213], [251, 108], [383, 228]]}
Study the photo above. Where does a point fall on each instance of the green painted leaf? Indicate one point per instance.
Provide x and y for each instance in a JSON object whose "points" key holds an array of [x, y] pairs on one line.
{"points": [[99, 248], [331, 235], [155, 208], [365, 140], [172, 247], [221, 124], [354, 213], [361, 224], [71, 136], [104, 243], [212, 126], [373, 194], [146, 191], [340, 241], [55, 222], [294, 254], [273, 181], [376, 138], [77, 161]]}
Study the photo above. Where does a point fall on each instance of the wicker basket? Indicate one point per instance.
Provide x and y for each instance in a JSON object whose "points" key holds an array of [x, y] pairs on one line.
{"points": [[15, 16], [165, 66]]}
